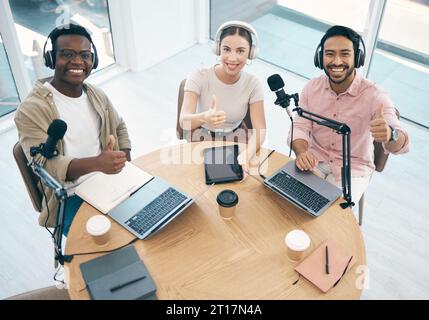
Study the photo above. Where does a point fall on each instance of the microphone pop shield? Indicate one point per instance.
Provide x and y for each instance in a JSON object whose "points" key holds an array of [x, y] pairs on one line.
{"points": [[57, 129], [275, 82]]}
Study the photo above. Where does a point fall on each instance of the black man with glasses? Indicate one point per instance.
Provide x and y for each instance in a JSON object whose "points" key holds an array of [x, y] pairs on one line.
{"points": [[96, 138]]}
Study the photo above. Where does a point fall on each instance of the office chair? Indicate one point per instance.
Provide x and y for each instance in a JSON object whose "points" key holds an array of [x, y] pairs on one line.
{"points": [[179, 130], [30, 179], [380, 159], [48, 293]]}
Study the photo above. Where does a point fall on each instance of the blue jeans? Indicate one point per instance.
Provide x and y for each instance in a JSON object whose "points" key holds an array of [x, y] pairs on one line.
{"points": [[72, 206]]}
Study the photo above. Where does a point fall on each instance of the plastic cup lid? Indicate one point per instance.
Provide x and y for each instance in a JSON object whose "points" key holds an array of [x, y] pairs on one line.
{"points": [[227, 198], [297, 240], [98, 225]]}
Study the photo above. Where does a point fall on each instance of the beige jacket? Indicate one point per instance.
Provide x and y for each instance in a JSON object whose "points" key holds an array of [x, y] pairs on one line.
{"points": [[33, 118]]}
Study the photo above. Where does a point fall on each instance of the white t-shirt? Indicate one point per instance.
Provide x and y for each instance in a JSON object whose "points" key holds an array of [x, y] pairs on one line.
{"points": [[82, 138], [234, 99]]}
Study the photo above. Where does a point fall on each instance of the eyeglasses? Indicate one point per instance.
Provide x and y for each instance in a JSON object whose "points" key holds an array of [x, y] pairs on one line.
{"points": [[69, 54]]}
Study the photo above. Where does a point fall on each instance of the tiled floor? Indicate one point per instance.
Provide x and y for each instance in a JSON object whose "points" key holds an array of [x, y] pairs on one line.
{"points": [[395, 229]]}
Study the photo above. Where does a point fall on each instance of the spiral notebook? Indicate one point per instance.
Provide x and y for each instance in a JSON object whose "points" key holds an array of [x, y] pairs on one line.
{"points": [[313, 267]]}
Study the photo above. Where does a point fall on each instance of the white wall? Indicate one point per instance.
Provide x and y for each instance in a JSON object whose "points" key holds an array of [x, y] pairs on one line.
{"points": [[152, 31]]}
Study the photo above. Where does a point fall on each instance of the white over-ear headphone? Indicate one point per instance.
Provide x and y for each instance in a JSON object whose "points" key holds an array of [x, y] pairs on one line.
{"points": [[235, 23]]}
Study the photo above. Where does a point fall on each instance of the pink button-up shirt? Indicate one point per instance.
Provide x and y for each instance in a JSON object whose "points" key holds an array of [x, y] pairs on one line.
{"points": [[356, 107]]}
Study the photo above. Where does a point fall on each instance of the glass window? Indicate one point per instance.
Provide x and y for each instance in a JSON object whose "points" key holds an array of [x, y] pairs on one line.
{"points": [[290, 30], [8, 94], [35, 19], [401, 60]]}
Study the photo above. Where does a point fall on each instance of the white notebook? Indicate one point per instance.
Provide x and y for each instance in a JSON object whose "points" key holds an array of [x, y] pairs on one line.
{"points": [[106, 191]]}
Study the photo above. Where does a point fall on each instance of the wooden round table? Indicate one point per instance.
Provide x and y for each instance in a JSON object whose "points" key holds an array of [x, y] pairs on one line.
{"points": [[199, 255]]}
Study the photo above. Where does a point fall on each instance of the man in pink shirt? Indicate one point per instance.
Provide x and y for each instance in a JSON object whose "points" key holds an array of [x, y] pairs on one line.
{"points": [[345, 96]]}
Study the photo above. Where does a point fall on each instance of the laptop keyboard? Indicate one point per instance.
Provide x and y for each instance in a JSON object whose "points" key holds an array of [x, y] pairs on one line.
{"points": [[299, 191], [156, 210]]}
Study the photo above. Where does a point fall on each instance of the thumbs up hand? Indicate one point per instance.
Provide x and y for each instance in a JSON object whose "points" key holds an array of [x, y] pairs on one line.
{"points": [[109, 161], [213, 103], [213, 117], [111, 143], [379, 127]]}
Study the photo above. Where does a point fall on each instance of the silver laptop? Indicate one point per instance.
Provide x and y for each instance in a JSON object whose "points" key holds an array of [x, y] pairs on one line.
{"points": [[150, 208], [303, 188]]}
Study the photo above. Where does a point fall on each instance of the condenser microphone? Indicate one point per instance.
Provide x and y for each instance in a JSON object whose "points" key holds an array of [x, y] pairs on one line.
{"points": [[276, 84], [56, 132]]}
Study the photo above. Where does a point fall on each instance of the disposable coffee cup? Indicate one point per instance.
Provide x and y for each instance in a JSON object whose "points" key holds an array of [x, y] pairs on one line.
{"points": [[227, 201], [98, 227], [297, 242]]}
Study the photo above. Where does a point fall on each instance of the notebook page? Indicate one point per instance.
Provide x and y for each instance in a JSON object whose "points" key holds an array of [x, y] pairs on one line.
{"points": [[104, 191]]}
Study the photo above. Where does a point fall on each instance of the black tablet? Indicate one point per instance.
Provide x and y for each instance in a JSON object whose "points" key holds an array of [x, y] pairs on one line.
{"points": [[221, 165]]}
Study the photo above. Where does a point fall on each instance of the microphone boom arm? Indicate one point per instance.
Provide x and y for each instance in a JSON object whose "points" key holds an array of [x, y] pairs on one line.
{"points": [[344, 130], [61, 196]]}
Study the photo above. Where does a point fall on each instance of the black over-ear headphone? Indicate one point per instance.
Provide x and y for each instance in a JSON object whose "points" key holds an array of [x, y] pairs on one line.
{"points": [[49, 55], [359, 58]]}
